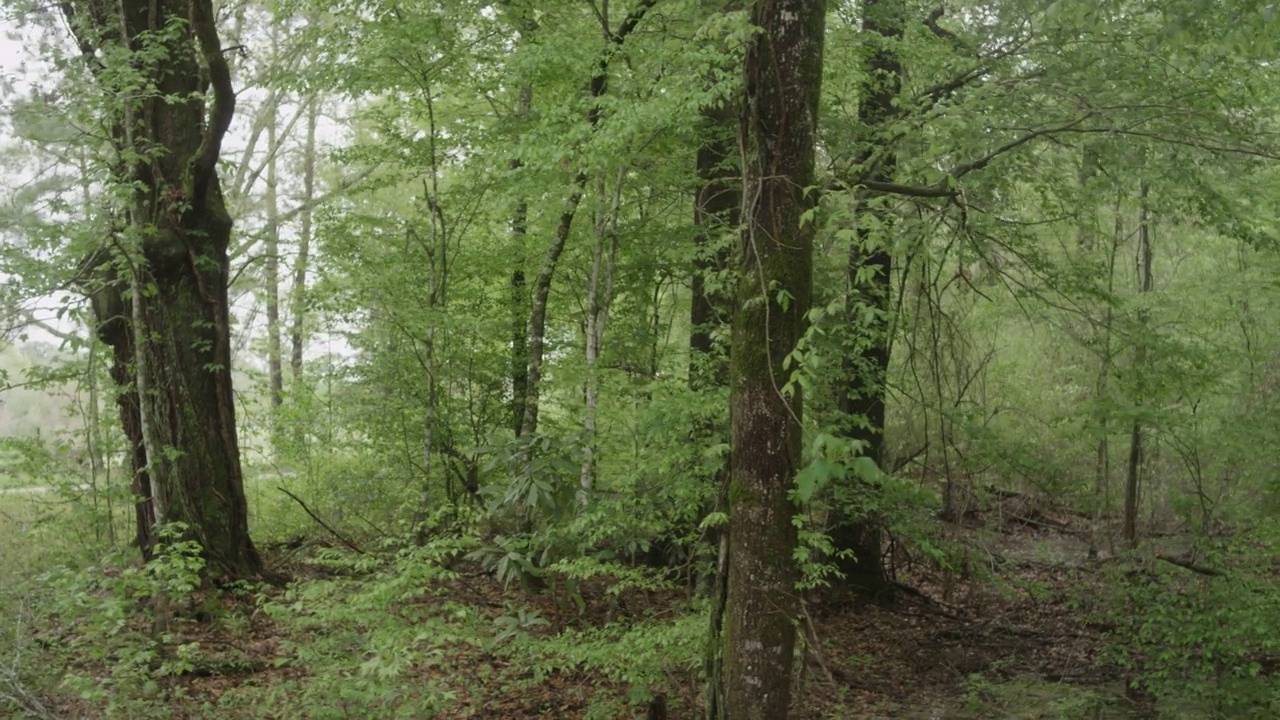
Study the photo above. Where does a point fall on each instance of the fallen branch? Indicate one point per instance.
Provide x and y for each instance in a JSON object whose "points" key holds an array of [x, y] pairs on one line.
{"points": [[1188, 565], [937, 607], [811, 647], [341, 538]]}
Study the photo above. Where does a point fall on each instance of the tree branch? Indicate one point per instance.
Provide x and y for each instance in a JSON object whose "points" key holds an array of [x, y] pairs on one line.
{"points": [[323, 524], [931, 22], [632, 20], [1188, 565], [343, 186], [946, 186], [223, 106]]}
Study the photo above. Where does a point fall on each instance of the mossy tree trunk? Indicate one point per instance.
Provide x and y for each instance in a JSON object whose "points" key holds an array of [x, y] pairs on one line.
{"points": [[779, 119], [162, 298]]}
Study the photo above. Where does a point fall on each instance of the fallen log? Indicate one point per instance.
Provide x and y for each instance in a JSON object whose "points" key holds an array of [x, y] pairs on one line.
{"points": [[1188, 565]]}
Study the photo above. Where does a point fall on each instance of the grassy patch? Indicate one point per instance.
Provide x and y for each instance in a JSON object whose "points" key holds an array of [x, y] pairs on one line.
{"points": [[1039, 699]]}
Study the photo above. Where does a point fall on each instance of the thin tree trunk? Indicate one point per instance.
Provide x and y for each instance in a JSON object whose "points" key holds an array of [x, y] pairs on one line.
{"points": [[275, 368], [93, 419], [519, 295], [861, 400], [1132, 486], [1102, 456], [113, 312], [604, 258], [520, 305], [437, 301], [537, 330], [783, 83], [537, 327], [298, 293], [717, 211]]}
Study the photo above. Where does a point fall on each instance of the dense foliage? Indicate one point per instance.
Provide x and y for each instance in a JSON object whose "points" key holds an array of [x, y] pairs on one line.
{"points": [[490, 302]]}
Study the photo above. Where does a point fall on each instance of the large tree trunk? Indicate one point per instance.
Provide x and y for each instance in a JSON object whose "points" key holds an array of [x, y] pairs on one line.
{"points": [[861, 399], [779, 119], [175, 251]]}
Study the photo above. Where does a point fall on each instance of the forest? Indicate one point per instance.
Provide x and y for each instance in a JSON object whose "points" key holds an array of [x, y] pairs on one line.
{"points": [[723, 359]]}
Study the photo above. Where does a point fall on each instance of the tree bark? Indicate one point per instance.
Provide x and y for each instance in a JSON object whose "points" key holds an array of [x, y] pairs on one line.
{"points": [[779, 119], [168, 324], [1102, 453], [537, 331], [861, 397]]}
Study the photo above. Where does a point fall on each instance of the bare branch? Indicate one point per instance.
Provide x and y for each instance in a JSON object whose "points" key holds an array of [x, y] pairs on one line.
{"points": [[946, 186], [341, 538]]}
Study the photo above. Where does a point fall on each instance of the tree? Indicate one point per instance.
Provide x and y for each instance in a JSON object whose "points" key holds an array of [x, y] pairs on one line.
{"points": [[861, 392], [159, 283], [1145, 284], [599, 84], [779, 119]]}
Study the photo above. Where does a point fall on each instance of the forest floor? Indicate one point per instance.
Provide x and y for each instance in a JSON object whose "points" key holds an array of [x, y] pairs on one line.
{"points": [[1002, 638]]}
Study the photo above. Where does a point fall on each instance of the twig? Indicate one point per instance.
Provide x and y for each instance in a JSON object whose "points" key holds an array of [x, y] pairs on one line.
{"points": [[321, 523]]}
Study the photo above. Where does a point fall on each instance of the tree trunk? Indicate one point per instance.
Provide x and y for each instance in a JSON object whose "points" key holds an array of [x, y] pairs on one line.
{"points": [[716, 211], [537, 328], [1132, 485], [113, 328], [537, 331], [717, 215], [297, 294], [275, 365], [519, 295], [604, 258], [779, 119], [1102, 454], [170, 331], [93, 416], [861, 400], [520, 310]]}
